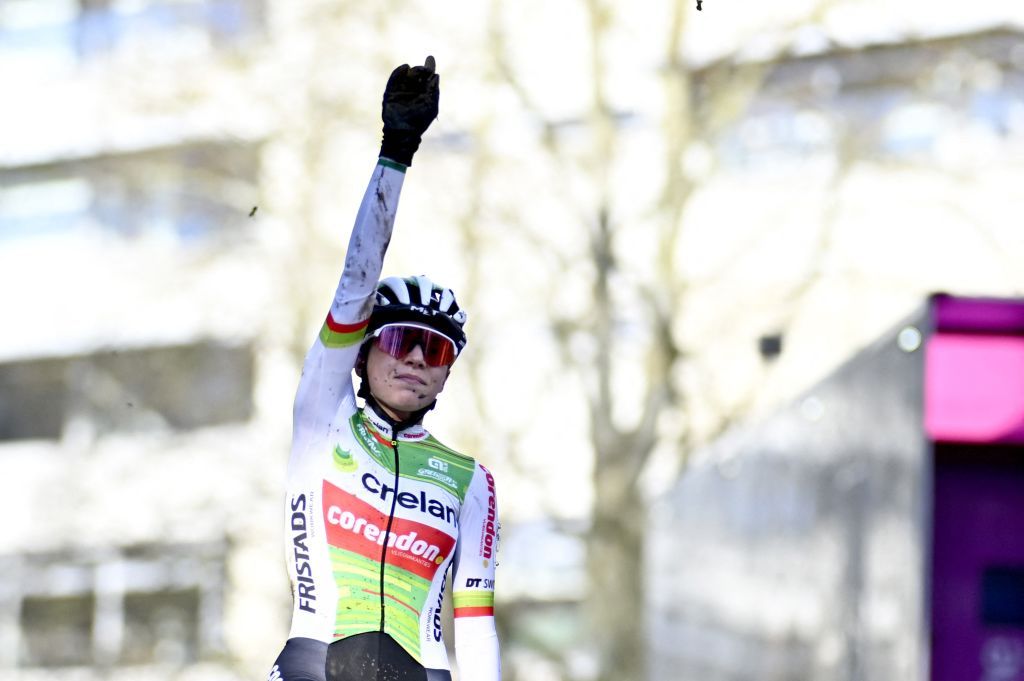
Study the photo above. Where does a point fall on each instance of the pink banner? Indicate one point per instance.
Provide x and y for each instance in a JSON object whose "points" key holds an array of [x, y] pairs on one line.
{"points": [[974, 388]]}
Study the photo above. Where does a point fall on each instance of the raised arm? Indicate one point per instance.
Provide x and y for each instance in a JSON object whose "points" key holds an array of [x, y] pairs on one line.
{"points": [[409, 106], [476, 639]]}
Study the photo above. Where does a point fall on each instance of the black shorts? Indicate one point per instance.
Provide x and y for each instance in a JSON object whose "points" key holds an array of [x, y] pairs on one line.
{"points": [[373, 656]]}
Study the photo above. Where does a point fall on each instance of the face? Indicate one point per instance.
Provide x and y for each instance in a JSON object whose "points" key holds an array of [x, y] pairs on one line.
{"points": [[403, 386]]}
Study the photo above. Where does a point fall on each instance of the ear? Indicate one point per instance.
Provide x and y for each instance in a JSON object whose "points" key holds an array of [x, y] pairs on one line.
{"points": [[360, 368], [362, 359]]}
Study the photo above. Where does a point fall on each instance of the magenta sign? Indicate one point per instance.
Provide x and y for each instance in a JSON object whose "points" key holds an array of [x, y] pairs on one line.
{"points": [[974, 388], [974, 415]]}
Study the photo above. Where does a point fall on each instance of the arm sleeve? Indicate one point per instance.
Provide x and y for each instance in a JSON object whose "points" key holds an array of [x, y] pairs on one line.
{"points": [[327, 370], [476, 639]]}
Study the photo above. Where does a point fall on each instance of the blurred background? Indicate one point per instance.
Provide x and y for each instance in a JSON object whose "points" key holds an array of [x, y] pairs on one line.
{"points": [[686, 239]]}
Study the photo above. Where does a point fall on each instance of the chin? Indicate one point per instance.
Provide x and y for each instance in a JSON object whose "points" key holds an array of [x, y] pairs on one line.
{"points": [[407, 407]]}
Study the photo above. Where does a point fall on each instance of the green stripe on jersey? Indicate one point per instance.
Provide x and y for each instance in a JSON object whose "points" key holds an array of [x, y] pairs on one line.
{"points": [[341, 339], [473, 599], [358, 608]]}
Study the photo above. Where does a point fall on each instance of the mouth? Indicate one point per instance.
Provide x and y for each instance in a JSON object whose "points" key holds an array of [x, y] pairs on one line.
{"points": [[410, 379]]}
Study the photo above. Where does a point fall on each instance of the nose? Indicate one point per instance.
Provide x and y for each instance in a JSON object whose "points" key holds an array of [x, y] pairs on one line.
{"points": [[415, 356]]}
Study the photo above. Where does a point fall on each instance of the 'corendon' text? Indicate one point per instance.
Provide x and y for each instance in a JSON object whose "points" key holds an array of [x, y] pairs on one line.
{"points": [[404, 542]]}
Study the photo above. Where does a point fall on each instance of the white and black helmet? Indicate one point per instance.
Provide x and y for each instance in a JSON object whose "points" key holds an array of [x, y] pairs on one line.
{"points": [[421, 301]]}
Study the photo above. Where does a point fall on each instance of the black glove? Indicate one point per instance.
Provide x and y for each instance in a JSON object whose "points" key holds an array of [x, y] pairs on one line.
{"points": [[409, 107]]}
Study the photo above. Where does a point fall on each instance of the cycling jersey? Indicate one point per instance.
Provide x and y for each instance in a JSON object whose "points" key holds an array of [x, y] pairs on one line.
{"points": [[374, 518]]}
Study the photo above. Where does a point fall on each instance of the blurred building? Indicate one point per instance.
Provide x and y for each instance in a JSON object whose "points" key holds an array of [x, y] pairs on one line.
{"points": [[871, 176], [874, 528], [794, 548], [133, 458], [851, 532]]}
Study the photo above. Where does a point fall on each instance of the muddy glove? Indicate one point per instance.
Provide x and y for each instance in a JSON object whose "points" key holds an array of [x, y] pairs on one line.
{"points": [[409, 107]]}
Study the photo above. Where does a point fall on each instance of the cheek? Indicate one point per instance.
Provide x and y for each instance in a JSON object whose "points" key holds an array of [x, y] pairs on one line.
{"points": [[377, 372], [439, 380]]}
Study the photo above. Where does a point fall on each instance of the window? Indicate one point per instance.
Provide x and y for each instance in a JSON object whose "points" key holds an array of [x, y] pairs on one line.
{"points": [[140, 605], [160, 627], [56, 631], [57, 33], [32, 400], [905, 102], [176, 387], [194, 193], [49, 205]]}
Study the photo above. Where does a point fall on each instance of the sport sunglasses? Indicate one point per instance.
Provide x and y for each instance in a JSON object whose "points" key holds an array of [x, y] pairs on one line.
{"points": [[398, 340]]}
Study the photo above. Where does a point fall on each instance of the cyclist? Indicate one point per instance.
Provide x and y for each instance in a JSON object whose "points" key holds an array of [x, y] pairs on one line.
{"points": [[377, 509]]}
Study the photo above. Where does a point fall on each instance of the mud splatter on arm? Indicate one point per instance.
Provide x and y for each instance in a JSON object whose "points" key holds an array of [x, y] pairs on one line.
{"points": [[368, 244]]}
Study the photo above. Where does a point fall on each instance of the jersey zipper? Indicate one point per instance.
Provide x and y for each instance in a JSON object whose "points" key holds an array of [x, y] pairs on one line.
{"points": [[387, 534]]}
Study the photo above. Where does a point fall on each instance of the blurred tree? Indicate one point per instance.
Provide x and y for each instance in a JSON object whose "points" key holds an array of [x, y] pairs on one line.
{"points": [[629, 325], [645, 294]]}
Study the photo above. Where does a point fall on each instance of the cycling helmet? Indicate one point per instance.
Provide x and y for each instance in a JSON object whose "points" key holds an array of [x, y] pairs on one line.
{"points": [[420, 301]]}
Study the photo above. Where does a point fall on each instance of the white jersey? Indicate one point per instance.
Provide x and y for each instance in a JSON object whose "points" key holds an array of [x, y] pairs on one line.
{"points": [[374, 519]]}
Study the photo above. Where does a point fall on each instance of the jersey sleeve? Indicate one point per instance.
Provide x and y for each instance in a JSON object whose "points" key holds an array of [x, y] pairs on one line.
{"points": [[327, 370], [476, 639]]}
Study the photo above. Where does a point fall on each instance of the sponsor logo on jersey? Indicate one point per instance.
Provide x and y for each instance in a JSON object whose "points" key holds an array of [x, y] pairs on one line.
{"points": [[369, 440], [437, 612], [305, 587], [343, 460], [382, 429], [440, 477], [354, 525], [411, 500], [347, 520], [437, 464], [489, 538]]}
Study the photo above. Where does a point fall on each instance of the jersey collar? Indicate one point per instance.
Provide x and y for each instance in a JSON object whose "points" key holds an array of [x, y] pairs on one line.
{"points": [[383, 426]]}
